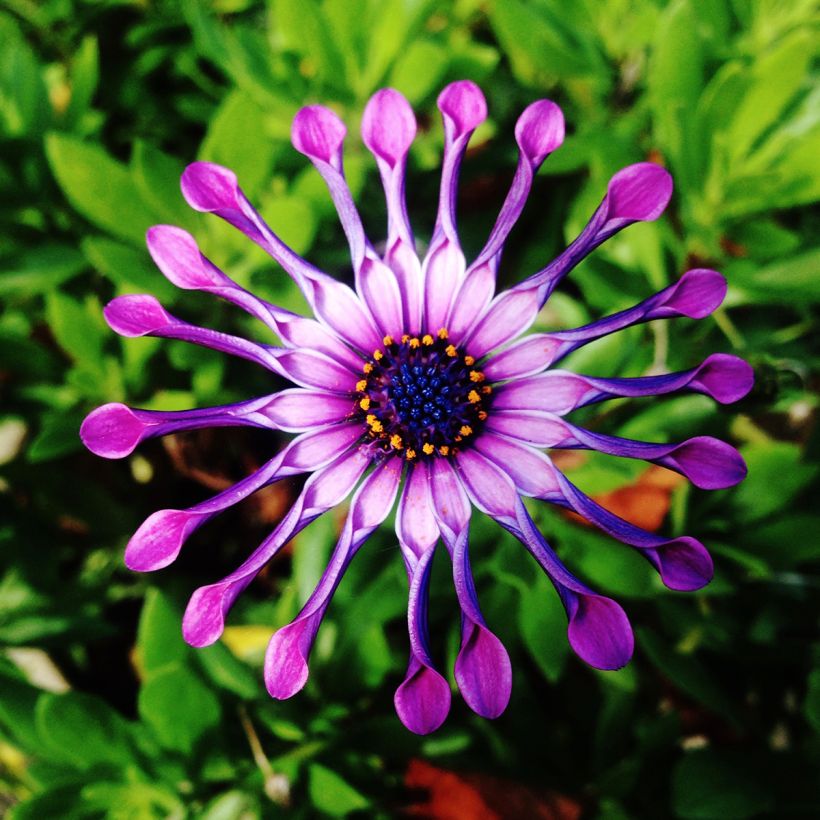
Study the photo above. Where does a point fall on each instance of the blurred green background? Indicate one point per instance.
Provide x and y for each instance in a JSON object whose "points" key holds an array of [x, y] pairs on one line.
{"points": [[104, 712]]}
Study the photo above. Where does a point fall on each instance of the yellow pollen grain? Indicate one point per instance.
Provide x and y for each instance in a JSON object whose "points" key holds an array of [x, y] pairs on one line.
{"points": [[442, 333], [473, 397], [486, 390], [376, 426], [428, 449], [466, 430], [361, 385], [469, 361], [444, 449], [370, 418], [482, 416], [451, 351], [387, 340], [405, 339], [457, 438], [396, 442], [476, 376], [414, 343], [377, 354], [368, 368], [365, 403], [410, 454], [427, 339]]}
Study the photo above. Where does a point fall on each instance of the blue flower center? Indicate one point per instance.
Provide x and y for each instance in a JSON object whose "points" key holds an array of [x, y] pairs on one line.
{"points": [[422, 397]]}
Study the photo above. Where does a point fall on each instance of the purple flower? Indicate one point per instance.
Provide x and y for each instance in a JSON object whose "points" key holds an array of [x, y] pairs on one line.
{"points": [[414, 383]]}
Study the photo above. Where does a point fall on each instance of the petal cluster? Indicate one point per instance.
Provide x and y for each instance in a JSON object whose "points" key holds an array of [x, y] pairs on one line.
{"points": [[417, 383]]}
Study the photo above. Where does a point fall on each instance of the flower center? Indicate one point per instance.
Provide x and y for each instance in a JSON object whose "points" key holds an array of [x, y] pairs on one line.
{"points": [[422, 396]]}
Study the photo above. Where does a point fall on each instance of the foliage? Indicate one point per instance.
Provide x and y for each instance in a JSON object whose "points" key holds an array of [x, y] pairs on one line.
{"points": [[104, 711]]}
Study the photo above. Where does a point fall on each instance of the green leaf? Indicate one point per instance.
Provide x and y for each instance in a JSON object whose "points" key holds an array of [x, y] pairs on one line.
{"points": [[330, 794], [419, 69], [775, 79], [226, 670], [710, 783], [777, 473], [156, 175], [159, 635], [82, 730], [178, 706], [79, 329], [293, 220], [789, 280], [131, 269], [39, 269], [99, 187], [59, 435], [237, 138], [543, 626], [85, 75]]}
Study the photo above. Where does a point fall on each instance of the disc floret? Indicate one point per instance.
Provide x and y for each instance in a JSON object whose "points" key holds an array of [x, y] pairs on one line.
{"points": [[421, 396]]}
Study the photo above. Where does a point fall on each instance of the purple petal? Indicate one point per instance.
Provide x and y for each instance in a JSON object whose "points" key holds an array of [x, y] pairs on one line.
{"points": [[539, 131], [695, 295], [310, 369], [112, 431], [462, 104], [451, 506], [638, 193], [158, 541], [208, 187], [415, 522], [388, 126], [177, 255], [723, 377], [318, 133], [599, 631], [511, 313], [142, 315], [286, 658], [707, 462], [483, 670], [423, 699], [136, 315], [297, 410], [402, 260], [531, 471], [379, 288], [443, 270]]}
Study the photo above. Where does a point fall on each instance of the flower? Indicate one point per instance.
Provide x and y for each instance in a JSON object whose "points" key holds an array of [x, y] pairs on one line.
{"points": [[414, 383]]}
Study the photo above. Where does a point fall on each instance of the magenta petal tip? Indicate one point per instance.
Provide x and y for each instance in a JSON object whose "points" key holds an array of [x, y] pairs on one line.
{"points": [[204, 618], [540, 130], [484, 673], [709, 463], [318, 133], [176, 253], [463, 102], [639, 193], [157, 542], [600, 633], [209, 187], [136, 315], [111, 431], [726, 378], [388, 125], [684, 564], [698, 293], [422, 700], [286, 668]]}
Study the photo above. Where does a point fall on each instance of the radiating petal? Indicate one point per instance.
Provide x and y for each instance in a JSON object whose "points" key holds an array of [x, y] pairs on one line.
{"points": [[286, 667]]}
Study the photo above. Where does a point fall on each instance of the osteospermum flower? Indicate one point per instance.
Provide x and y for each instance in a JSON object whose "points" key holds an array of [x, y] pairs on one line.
{"points": [[414, 384]]}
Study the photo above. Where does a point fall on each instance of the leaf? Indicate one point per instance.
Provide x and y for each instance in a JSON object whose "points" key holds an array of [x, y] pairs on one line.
{"points": [[131, 269], [543, 626], [790, 280], [227, 671], [159, 635], [58, 436], [713, 783], [330, 794], [99, 187], [79, 329], [40, 268], [419, 69], [293, 220], [237, 138], [777, 473], [811, 706], [85, 75], [82, 730], [157, 175], [178, 706]]}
